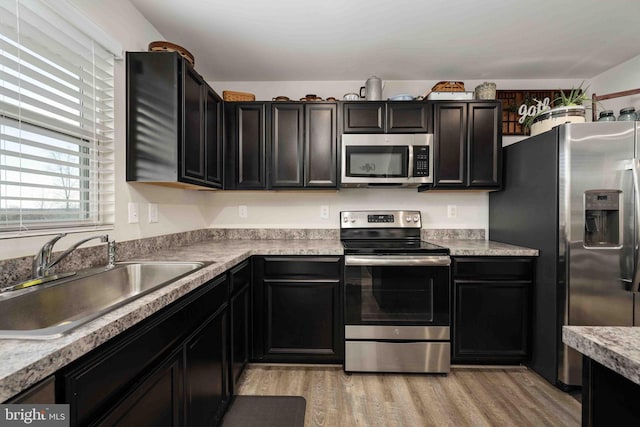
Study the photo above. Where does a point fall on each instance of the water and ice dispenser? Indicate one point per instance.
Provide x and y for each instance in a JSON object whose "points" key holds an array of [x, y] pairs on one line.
{"points": [[602, 218]]}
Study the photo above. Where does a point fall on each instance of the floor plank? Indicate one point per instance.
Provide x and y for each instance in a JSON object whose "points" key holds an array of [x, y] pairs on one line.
{"points": [[468, 396]]}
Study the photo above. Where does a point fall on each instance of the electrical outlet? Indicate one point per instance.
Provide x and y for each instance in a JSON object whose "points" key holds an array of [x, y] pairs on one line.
{"points": [[452, 211], [242, 211], [133, 212], [153, 212], [324, 212]]}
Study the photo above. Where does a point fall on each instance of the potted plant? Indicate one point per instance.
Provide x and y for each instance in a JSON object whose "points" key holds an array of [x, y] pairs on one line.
{"points": [[567, 108]]}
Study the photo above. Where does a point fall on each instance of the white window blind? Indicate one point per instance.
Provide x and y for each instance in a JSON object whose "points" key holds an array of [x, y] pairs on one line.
{"points": [[56, 122]]}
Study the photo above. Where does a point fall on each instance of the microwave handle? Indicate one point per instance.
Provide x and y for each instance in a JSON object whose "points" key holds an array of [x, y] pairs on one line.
{"points": [[410, 169]]}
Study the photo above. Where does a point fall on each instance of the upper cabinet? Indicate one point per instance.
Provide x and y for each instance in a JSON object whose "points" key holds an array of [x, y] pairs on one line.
{"points": [[173, 123], [280, 145], [386, 117], [245, 165], [468, 144]]}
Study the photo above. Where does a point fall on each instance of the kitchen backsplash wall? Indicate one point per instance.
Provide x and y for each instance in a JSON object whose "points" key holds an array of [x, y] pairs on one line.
{"points": [[302, 209]]}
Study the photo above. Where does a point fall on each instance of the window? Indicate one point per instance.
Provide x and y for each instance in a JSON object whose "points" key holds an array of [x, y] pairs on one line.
{"points": [[56, 120]]}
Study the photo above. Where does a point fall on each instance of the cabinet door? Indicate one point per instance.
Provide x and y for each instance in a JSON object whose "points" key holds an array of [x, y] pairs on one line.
{"points": [[250, 148], [363, 117], [157, 401], [213, 137], [450, 135], [491, 321], [240, 321], [152, 151], [485, 144], [240, 318], [320, 146], [286, 145], [408, 117], [206, 365], [193, 144], [302, 320]]}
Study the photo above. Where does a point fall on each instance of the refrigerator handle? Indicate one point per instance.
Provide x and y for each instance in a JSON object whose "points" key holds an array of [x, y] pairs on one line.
{"points": [[635, 171]]}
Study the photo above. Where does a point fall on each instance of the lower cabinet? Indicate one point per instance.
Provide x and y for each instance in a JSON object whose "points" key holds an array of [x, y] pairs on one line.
{"points": [[206, 367], [155, 401], [491, 313], [170, 369], [297, 309], [240, 317]]}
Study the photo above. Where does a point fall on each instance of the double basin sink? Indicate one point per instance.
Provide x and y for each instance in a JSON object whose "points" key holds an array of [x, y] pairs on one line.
{"points": [[53, 309]]}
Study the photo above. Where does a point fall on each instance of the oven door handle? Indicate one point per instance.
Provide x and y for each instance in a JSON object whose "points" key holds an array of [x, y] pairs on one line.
{"points": [[398, 261]]}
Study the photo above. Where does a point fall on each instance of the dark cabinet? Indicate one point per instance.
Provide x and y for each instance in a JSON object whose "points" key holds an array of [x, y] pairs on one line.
{"points": [[175, 359], [240, 317], [297, 309], [491, 316], [42, 393], [408, 117], [320, 146], [173, 123], [156, 401], [206, 367], [386, 117], [287, 145], [245, 146], [468, 144], [363, 117], [280, 145]]}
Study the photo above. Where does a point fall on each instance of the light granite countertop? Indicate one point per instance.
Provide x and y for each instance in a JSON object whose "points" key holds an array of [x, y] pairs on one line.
{"points": [[616, 347], [26, 362]]}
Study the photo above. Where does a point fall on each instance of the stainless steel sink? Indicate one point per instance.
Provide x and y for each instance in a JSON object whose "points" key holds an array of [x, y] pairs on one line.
{"points": [[53, 309]]}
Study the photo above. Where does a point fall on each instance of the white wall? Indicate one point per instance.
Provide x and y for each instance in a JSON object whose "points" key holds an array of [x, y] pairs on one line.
{"points": [[298, 209], [625, 76]]}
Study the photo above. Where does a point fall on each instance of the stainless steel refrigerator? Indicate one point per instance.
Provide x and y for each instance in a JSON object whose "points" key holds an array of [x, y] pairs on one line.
{"points": [[572, 193]]}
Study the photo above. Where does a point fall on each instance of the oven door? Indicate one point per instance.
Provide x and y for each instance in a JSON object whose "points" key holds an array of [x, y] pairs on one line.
{"points": [[410, 290]]}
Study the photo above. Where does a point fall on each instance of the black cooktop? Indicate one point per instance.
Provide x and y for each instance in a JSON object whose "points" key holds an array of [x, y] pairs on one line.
{"points": [[388, 246]]}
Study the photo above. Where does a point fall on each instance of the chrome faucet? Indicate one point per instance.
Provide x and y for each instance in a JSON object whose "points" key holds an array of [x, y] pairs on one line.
{"points": [[42, 263]]}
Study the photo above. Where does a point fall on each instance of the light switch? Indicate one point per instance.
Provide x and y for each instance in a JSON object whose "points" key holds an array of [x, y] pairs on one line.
{"points": [[153, 212], [324, 212], [133, 212], [452, 211]]}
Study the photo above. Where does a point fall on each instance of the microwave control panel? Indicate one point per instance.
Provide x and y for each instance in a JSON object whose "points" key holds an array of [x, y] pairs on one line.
{"points": [[420, 160]]}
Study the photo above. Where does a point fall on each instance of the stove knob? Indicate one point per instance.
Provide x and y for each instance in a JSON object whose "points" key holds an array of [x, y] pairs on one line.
{"points": [[352, 220], [345, 219], [408, 219], [416, 218]]}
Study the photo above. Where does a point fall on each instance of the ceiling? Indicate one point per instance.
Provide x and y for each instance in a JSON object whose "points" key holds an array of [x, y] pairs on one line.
{"points": [[317, 40]]}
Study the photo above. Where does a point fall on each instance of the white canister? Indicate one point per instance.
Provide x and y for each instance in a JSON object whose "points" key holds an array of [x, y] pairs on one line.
{"points": [[372, 89]]}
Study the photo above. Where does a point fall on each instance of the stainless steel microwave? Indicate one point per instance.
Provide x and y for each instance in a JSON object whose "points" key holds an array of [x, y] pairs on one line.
{"points": [[386, 160]]}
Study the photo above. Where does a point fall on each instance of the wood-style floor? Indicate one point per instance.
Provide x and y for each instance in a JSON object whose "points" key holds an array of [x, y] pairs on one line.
{"points": [[486, 396]]}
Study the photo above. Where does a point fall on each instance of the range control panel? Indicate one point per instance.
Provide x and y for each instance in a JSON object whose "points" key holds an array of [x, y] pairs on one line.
{"points": [[380, 219]]}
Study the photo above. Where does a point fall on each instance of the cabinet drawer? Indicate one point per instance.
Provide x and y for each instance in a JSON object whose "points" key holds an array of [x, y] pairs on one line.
{"points": [[299, 267], [500, 268], [95, 381]]}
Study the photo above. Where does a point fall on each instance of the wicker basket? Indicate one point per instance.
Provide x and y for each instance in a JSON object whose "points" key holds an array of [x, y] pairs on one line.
{"points": [[162, 46], [448, 87], [486, 90], [229, 95]]}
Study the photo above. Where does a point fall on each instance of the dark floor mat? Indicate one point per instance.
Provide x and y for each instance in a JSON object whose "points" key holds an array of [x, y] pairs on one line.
{"points": [[266, 411]]}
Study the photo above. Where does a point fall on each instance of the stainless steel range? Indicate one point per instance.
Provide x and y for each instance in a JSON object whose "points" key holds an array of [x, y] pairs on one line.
{"points": [[396, 294]]}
